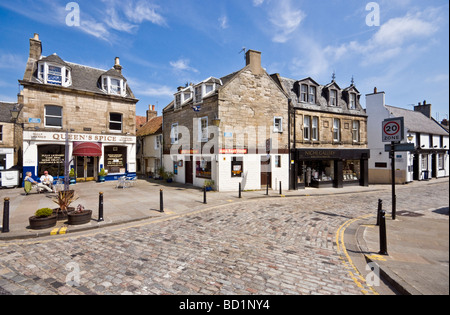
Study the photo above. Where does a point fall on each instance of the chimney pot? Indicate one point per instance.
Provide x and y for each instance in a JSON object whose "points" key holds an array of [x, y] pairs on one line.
{"points": [[36, 36], [253, 58], [117, 65], [375, 91]]}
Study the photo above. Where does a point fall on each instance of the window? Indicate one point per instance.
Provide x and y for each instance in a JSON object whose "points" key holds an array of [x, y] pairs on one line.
{"points": [[209, 88], [336, 130], [177, 101], [203, 130], [158, 140], [115, 122], [312, 95], [303, 93], [315, 129], [1, 133], [174, 134], [198, 94], [237, 167], [54, 74], [306, 127], [115, 159], [53, 116], [333, 98], [351, 170], [114, 86], [355, 131], [352, 101], [278, 124], [441, 161], [277, 161], [203, 167]]}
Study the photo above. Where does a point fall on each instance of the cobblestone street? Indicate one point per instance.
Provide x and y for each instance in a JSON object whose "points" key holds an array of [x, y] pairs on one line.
{"points": [[263, 246]]}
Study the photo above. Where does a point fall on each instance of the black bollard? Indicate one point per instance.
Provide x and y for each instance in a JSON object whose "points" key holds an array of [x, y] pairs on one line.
{"points": [[281, 191], [380, 208], [204, 195], [100, 207], [240, 190], [383, 238], [161, 201], [5, 226]]}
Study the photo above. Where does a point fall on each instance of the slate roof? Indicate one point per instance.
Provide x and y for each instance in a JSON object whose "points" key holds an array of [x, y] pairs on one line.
{"points": [[153, 126], [417, 122], [84, 78], [5, 111]]}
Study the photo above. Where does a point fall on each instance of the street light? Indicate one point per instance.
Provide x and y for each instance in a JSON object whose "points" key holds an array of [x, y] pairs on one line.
{"points": [[15, 113]]}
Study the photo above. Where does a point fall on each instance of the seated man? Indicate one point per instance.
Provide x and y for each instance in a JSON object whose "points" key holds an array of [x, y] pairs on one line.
{"points": [[47, 180], [29, 179]]}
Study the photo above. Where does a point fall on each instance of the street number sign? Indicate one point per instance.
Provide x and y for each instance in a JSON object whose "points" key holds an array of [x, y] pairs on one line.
{"points": [[393, 130]]}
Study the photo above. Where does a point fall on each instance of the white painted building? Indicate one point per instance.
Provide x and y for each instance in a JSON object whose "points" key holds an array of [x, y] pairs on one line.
{"points": [[430, 159]]}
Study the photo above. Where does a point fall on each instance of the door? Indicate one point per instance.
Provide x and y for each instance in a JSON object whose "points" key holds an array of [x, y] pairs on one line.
{"points": [[86, 168], [266, 172], [189, 170]]}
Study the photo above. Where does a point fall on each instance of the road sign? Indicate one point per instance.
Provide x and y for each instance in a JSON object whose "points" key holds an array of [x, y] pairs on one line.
{"points": [[393, 130], [401, 147]]}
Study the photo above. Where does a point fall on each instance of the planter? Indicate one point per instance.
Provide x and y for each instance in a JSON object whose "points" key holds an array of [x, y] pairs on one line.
{"points": [[169, 180], [62, 215], [73, 181], [209, 188], [101, 179], [79, 218], [37, 223]]}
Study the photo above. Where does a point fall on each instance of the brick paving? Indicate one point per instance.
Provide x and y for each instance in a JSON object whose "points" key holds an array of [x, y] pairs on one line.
{"points": [[265, 246]]}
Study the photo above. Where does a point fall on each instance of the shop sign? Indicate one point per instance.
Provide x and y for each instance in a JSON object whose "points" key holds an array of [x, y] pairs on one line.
{"points": [[61, 136], [233, 151]]}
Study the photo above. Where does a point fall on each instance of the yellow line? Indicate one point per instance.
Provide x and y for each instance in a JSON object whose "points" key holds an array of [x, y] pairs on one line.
{"points": [[355, 275], [63, 230], [54, 231]]}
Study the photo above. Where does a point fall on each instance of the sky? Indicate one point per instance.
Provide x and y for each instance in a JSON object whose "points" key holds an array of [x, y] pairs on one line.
{"points": [[399, 46]]}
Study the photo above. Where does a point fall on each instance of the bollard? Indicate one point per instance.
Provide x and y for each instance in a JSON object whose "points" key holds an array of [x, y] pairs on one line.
{"points": [[100, 207], [204, 195], [281, 191], [161, 201], [383, 238], [5, 226], [394, 207], [267, 189], [380, 208], [240, 190]]}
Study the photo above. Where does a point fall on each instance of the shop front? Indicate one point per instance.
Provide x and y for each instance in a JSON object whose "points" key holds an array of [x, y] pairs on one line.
{"points": [[336, 168], [88, 154]]}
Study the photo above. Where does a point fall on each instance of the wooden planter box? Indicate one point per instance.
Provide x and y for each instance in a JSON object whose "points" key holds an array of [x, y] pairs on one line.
{"points": [[43, 223], [79, 218]]}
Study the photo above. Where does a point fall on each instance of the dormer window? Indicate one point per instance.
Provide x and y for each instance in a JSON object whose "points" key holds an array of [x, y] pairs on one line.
{"points": [[352, 101], [54, 74], [183, 96], [333, 98], [114, 85], [205, 88], [307, 91]]}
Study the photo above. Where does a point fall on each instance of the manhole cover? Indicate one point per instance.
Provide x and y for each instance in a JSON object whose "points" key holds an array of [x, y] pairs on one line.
{"points": [[409, 214]]}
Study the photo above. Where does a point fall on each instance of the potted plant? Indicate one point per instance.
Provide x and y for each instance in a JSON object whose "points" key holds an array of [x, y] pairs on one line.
{"points": [[79, 216], [101, 175], [43, 219], [73, 179], [160, 173], [209, 184], [168, 176], [64, 200]]}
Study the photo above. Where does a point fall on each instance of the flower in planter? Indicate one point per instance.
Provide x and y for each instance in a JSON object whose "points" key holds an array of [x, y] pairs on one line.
{"points": [[44, 213]]}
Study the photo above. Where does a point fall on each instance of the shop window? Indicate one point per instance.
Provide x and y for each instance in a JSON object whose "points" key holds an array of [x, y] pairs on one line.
{"points": [[277, 161], [115, 122], [352, 170], [51, 159], [2, 162], [319, 171], [115, 159], [237, 167], [53, 116], [203, 168]]}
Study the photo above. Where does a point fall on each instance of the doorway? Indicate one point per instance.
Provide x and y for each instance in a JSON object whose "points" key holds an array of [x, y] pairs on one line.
{"points": [[266, 172], [189, 176], [86, 168]]}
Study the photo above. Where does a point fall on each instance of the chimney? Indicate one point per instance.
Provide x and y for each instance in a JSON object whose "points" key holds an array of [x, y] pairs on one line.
{"points": [[253, 59], [375, 90], [424, 109], [151, 113], [35, 55], [117, 65]]}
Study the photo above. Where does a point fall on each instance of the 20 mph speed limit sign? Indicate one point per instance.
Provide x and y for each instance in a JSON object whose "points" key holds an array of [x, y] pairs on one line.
{"points": [[393, 130]]}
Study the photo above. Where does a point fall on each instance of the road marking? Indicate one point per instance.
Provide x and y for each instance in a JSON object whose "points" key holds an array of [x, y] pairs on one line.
{"points": [[54, 231], [376, 257], [354, 274]]}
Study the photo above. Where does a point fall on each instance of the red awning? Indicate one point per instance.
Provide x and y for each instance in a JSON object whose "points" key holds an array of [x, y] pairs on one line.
{"points": [[87, 149]]}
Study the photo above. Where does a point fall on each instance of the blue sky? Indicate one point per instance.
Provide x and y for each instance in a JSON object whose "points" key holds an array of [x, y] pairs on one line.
{"points": [[163, 44]]}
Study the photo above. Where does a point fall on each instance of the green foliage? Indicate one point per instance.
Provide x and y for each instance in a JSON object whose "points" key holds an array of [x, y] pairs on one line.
{"points": [[102, 172], [44, 213], [72, 172]]}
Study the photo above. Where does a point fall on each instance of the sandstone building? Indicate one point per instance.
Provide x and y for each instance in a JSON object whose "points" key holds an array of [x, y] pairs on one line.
{"points": [[94, 109]]}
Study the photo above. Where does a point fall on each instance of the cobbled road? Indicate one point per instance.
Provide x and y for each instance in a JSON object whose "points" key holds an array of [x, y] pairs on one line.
{"points": [[263, 246]]}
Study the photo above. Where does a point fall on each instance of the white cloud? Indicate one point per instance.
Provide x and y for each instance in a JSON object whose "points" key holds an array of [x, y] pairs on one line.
{"points": [[182, 65], [223, 20], [143, 11], [12, 61], [257, 3]]}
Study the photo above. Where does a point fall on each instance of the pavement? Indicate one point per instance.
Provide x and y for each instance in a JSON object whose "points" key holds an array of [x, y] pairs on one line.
{"points": [[418, 240]]}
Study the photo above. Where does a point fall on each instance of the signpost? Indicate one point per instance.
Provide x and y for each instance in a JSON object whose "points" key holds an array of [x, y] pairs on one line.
{"points": [[393, 131]]}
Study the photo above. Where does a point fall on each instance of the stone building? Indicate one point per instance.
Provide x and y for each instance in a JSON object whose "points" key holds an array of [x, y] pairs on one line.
{"points": [[10, 136], [229, 130], [91, 110], [328, 134], [149, 144], [430, 158]]}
